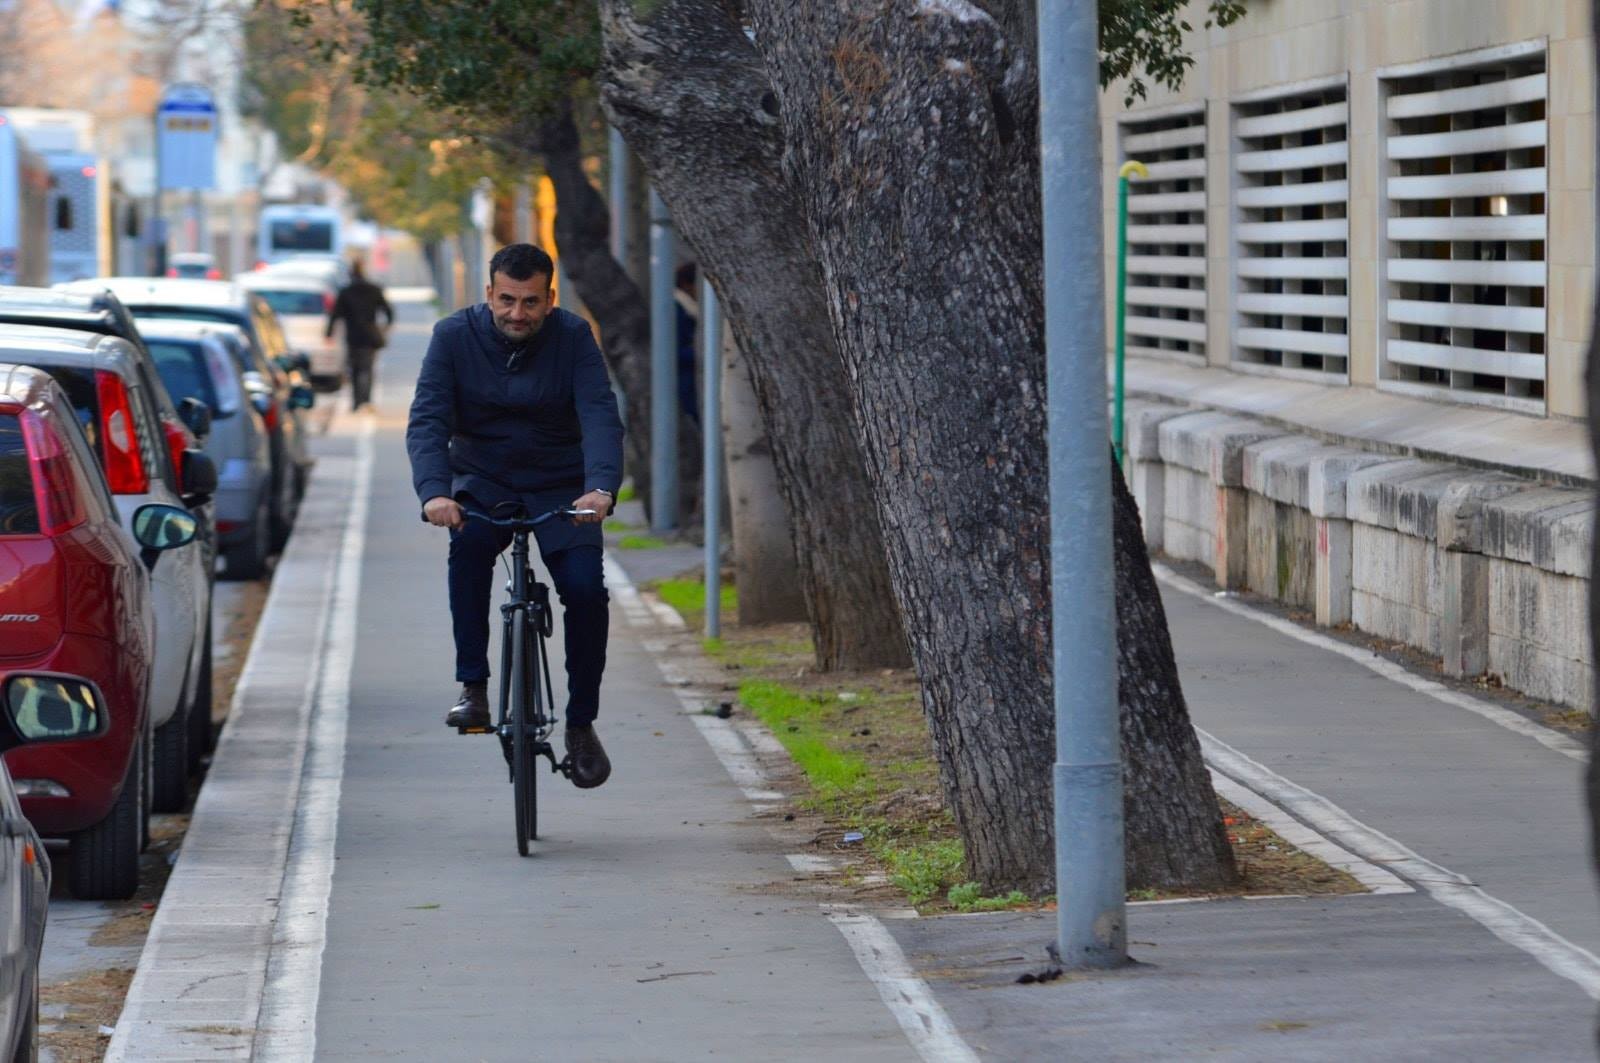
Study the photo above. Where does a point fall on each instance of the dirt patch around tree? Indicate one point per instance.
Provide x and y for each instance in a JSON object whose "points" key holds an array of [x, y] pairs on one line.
{"points": [[867, 793]]}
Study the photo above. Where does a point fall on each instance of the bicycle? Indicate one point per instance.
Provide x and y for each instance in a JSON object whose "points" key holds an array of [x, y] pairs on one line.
{"points": [[526, 718]]}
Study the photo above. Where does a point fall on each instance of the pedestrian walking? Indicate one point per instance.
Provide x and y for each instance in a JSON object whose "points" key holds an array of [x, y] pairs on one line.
{"points": [[358, 305]]}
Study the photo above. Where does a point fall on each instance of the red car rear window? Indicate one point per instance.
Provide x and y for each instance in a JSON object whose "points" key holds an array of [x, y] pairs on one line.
{"points": [[19, 514]]}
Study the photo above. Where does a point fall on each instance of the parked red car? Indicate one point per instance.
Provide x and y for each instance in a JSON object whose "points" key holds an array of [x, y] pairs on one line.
{"points": [[75, 600]]}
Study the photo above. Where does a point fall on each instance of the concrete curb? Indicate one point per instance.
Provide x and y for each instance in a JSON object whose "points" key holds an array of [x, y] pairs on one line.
{"points": [[199, 987]]}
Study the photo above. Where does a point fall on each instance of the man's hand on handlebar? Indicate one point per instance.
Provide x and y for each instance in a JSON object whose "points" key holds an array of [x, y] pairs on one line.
{"points": [[599, 505], [444, 512]]}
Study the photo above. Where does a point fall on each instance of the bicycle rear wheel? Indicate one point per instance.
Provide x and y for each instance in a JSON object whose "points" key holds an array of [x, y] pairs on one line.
{"points": [[524, 780]]}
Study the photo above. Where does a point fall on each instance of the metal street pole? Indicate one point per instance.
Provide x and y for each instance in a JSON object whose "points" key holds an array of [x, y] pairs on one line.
{"points": [[663, 372], [1091, 927], [711, 433], [619, 198]]}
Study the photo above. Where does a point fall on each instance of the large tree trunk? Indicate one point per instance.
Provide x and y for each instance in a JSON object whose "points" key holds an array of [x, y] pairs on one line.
{"points": [[763, 548], [913, 145], [687, 90]]}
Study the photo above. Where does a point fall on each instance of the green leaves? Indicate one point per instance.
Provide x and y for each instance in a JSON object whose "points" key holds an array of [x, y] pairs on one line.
{"points": [[495, 62], [1144, 38]]}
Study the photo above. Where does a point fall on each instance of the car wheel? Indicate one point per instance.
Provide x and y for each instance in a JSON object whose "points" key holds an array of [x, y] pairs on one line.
{"points": [[248, 560], [170, 758], [105, 857], [28, 1043], [201, 731]]}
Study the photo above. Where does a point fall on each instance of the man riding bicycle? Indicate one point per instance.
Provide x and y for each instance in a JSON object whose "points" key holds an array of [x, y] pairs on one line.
{"points": [[513, 406]]}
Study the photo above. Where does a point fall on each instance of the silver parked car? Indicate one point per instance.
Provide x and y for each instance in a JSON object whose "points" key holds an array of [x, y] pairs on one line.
{"points": [[197, 360]]}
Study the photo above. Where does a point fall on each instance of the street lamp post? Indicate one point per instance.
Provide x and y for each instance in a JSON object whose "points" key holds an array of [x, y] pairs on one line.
{"points": [[1090, 913], [711, 434]]}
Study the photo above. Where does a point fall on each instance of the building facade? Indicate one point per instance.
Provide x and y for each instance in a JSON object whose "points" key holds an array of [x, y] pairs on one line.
{"points": [[1389, 194], [1360, 280]]}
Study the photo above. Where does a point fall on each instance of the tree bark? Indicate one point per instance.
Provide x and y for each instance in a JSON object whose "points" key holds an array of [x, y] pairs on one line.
{"points": [[912, 142], [688, 92], [763, 548]]}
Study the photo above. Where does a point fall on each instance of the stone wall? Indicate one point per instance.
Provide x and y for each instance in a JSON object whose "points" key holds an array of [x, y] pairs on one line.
{"points": [[1487, 571]]}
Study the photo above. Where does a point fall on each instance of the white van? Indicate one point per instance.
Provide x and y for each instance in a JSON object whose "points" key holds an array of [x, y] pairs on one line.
{"points": [[298, 229]]}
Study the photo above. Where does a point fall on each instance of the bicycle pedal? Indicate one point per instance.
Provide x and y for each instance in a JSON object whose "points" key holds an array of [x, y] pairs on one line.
{"points": [[475, 730]]}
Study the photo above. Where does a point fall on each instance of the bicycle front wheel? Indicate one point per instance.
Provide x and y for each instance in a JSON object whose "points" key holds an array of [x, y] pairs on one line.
{"points": [[524, 778]]}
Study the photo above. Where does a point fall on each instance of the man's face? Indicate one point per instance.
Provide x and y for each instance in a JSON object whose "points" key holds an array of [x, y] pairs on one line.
{"points": [[519, 307]]}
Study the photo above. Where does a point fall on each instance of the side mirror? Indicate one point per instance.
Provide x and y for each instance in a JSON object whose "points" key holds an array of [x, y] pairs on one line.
{"points": [[158, 526], [302, 397], [197, 415], [45, 707], [199, 474]]}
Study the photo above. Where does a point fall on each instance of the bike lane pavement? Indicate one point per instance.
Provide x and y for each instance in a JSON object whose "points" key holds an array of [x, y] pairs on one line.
{"points": [[653, 922]]}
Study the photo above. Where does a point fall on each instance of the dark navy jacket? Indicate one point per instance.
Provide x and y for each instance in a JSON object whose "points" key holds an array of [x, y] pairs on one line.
{"points": [[536, 422]]}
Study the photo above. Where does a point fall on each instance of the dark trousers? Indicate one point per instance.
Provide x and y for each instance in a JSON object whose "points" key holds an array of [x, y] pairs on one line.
{"points": [[361, 361], [581, 586]]}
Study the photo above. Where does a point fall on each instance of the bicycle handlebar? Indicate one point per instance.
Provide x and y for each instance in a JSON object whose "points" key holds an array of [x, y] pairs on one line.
{"points": [[524, 523], [517, 523]]}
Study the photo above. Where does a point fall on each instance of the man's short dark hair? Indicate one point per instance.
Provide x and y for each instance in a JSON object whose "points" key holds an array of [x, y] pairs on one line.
{"points": [[520, 262]]}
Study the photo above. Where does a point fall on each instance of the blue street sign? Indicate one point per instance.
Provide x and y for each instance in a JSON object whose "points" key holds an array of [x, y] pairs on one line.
{"points": [[186, 138]]}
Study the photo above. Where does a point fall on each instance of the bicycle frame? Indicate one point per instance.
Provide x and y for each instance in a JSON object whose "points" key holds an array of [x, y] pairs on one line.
{"points": [[532, 599]]}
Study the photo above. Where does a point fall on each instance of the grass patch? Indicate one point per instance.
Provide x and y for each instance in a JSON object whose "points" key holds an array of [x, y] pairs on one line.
{"points": [[924, 871], [968, 897], [799, 721], [689, 596], [640, 542]]}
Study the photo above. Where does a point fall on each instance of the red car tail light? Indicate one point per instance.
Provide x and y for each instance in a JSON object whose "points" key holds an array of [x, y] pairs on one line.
{"points": [[119, 442], [57, 488], [178, 441], [327, 302], [270, 416]]}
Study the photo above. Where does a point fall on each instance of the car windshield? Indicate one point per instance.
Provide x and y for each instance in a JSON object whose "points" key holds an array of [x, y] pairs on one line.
{"points": [[19, 514], [223, 314], [293, 302], [197, 271], [183, 370], [302, 235]]}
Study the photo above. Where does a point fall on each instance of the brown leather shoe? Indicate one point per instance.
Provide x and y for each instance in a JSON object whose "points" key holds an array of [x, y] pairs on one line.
{"points": [[590, 765], [471, 708]]}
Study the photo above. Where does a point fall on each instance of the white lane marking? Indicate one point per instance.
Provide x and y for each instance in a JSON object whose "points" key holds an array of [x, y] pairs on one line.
{"points": [[908, 997], [287, 1029], [1249, 794], [1510, 925], [737, 758], [668, 616], [623, 590], [1545, 736]]}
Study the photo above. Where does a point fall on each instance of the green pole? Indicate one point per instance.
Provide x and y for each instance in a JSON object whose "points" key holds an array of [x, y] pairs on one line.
{"points": [[1127, 171]]}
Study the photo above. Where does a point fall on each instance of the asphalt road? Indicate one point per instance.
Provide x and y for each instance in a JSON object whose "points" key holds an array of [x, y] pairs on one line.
{"points": [[651, 924]]}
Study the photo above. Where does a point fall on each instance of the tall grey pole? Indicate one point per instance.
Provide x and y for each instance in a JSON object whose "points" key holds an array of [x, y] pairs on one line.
{"points": [[619, 197], [1091, 925], [663, 372], [711, 432]]}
